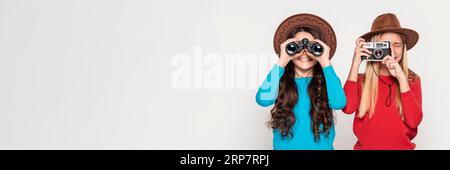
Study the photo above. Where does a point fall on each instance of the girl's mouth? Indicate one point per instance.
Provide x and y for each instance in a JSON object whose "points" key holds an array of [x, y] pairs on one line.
{"points": [[304, 58]]}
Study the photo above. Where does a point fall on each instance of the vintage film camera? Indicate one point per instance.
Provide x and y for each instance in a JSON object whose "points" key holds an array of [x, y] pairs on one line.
{"points": [[379, 50]]}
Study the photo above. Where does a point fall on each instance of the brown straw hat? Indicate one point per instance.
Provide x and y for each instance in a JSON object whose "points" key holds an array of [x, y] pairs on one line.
{"points": [[389, 23], [305, 20]]}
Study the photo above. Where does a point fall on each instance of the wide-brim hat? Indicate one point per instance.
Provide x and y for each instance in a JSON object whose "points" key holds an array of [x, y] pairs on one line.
{"points": [[305, 20], [389, 23]]}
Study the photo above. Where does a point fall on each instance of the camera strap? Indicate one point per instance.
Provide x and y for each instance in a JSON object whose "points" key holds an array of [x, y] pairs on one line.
{"points": [[389, 98]]}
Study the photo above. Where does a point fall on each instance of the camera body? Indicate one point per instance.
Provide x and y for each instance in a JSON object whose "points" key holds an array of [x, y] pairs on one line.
{"points": [[379, 50], [314, 48]]}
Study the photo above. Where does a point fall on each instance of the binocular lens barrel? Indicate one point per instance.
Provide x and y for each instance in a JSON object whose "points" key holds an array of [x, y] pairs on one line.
{"points": [[292, 48]]}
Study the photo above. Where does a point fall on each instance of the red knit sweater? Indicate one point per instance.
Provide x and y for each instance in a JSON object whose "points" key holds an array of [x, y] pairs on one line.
{"points": [[386, 129]]}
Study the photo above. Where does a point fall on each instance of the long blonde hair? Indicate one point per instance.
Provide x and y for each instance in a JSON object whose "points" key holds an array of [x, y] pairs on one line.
{"points": [[370, 83]]}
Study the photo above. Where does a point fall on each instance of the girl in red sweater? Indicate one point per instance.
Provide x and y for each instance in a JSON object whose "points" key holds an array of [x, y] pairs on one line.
{"points": [[387, 98]]}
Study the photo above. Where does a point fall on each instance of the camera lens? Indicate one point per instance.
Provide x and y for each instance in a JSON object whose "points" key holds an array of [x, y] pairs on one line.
{"points": [[291, 48], [317, 49], [378, 53]]}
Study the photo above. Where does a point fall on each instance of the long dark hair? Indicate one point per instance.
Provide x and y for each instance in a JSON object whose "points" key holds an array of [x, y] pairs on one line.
{"points": [[282, 118]]}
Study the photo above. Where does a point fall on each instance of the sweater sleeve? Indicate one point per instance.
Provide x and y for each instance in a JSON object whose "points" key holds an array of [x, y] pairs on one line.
{"points": [[336, 96], [412, 105], [268, 91], [351, 90]]}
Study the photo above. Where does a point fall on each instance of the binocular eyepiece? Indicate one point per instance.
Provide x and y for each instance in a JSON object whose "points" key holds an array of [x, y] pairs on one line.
{"points": [[314, 48]]}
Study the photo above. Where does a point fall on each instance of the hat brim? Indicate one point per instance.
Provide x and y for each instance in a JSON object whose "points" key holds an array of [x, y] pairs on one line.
{"points": [[411, 36], [305, 20]]}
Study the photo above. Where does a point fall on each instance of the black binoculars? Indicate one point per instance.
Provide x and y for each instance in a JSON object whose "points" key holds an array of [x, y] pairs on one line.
{"points": [[313, 47]]}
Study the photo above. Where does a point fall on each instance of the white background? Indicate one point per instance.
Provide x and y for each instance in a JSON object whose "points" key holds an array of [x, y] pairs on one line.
{"points": [[97, 74]]}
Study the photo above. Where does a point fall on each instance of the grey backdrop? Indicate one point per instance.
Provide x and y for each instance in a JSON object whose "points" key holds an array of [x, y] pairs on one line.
{"points": [[105, 74]]}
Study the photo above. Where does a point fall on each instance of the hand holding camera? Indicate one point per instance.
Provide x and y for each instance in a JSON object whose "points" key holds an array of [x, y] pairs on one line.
{"points": [[377, 51], [371, 51], [360, 51]]}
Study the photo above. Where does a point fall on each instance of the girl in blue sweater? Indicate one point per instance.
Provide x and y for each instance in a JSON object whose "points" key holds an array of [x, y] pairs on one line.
{"points": [[303, 86]]}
